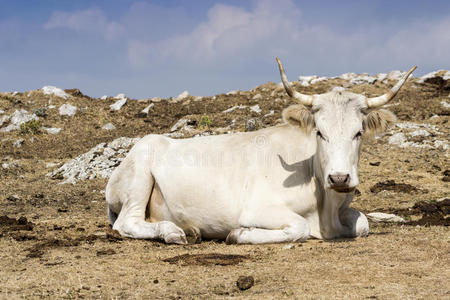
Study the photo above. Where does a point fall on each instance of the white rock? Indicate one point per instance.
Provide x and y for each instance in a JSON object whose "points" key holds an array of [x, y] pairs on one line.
{"points": [[52, 130], [16, 119], [2, 112], [362, 79], [120, 96], [4, 119], [179, 124], [441, 144], [118, 104], [15, 93], [289, 246], [257, 96], [51, 106], [381, 76], [255, 108], [382, 217], [319, 79], [109, 126], [397, 139], [104, 97], [182, 96], [347, 76], [51, 165], [22, 116], [100, 161], [52, 90], [445, 104], [156, 99], [67, 110], [233, 92], [419, 132], [234, 107], [9, 128], [446, 75], [396, 75], [198, 98], [305, 80], [271, 112], [147, 109], [18, 143]]}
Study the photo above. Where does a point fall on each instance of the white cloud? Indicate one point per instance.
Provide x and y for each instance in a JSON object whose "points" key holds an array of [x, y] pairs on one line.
{"points": [[86, 21], [227, 31], [234, 34]]}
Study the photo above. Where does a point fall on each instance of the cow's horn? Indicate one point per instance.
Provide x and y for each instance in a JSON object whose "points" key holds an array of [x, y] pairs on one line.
{"points": [[381, 100], [304, 99]]}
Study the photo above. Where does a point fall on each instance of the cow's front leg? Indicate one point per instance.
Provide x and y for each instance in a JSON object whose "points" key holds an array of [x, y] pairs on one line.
{"points": [[270, 225], [355, 223]]}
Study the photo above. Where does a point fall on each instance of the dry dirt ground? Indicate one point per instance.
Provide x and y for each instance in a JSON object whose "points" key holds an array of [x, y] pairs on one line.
{"points": [[56, 242]]}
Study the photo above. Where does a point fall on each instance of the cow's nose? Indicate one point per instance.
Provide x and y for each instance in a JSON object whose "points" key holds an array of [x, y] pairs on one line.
{"points": [[339, 180]]}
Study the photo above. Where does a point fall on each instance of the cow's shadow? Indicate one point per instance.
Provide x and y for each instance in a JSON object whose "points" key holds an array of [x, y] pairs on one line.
{"points": [[302, 172]]}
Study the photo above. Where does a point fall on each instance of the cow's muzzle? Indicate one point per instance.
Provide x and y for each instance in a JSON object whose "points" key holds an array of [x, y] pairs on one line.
{"points": [[340, 183]]}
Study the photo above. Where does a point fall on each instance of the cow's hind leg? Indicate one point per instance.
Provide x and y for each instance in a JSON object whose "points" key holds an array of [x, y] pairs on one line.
{"points": [[135, 187], [270, 225]]}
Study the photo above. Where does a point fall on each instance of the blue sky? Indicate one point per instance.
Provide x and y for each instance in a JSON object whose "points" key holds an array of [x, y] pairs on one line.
{"points": [[161, 48]]}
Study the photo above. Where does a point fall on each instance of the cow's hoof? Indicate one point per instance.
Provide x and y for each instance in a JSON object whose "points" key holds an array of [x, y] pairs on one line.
{"points": [[233, 236], [193, 235], [175, 238]]}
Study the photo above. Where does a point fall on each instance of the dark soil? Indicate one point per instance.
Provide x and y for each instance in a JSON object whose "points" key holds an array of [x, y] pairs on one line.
{"points": [[390, 185], [430, 213], [11, 224], [206, 259]]}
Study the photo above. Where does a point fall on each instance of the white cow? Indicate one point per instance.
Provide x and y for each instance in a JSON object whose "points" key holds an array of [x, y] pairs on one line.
{"points": [[280, 184]]}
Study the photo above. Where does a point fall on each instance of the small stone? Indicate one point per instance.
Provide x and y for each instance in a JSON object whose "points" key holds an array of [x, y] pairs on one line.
{"points": [[233, 92], [52, 130], [67, 110], [245, 282], [383, 217], [182, 96], [109, 126], [289, 246], [52, 90], [255, 108], [257, 96], [18, 143], [104, 97], [118, 104], [147, 109]]}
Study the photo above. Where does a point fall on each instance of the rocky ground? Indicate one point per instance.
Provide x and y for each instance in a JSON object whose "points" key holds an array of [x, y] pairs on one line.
{"points": [[58, 149]]}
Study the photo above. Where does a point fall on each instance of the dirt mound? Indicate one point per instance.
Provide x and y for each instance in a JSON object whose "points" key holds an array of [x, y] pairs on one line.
{"points": [[433, 213], [11, 224], [390, 185], [423, 213], [206, 259]]}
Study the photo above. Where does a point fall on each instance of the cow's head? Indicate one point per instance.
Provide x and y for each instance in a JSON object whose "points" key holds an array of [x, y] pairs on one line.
{"points": [[339, 119]]}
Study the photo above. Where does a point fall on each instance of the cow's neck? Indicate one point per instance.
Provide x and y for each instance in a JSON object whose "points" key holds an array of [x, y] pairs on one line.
{"points": [[330, 204]]}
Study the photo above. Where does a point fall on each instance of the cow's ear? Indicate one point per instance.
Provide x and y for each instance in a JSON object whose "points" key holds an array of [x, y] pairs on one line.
{"points": [[378, 121], [299, 116]]}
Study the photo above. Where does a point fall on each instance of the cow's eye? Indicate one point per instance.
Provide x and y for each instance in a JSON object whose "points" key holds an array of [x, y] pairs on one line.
{"points": [[319, 134], [358, 135]]}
